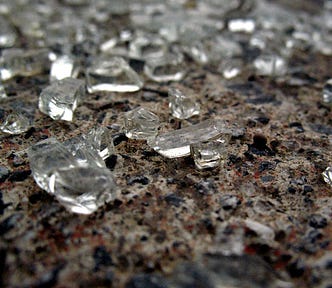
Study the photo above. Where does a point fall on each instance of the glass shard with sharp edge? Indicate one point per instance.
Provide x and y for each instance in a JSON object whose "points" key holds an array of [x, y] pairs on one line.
{"points": [[210, 154], [63, 67], [327, 175], [60, 99], [141, 124], [101, 140], [327, 92], [112, 74], [45, 158], [182, 106], [166, 68], [84, 189], [14, 62], [177, 143], [15, 123], [270, 65]]}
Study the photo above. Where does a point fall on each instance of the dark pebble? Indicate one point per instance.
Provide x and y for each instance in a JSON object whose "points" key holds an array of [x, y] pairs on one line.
{"points": [[296, 268], [146, 281], [137, 64], [19, 176], [229, 202], [173, 199], [265, 165], [3, 257], [317, 221], [4, 173], [267, 178], [298, 127], [111, 162], [259, 146], [264, 120], [138, 179], [3, 205], [101, 257], [307, 189], [322, 129], [9, 223]]}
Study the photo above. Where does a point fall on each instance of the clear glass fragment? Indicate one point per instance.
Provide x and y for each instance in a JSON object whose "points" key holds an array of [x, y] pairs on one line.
{"points": [[16, 62], [327, 92], [182, 106], [327, 175], [63, 67], [166, 68], [83, 189], [3, 94], [242, 25], [231, 68], [101, 140], [60, 99], [112, 74], [177, 143], [210, 154], [8, 35], [15, 123], [270, 65], [141, 124]]}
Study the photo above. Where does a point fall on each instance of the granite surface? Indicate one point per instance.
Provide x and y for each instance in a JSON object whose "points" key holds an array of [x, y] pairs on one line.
{"points": [[263, 219]]}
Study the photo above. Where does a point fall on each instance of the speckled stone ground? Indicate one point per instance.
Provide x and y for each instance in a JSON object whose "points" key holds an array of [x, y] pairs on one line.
{"points": [[170, 220]]}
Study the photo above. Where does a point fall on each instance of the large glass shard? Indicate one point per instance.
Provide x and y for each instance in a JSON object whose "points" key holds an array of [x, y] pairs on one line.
{"points": [[45, 158], [210, 154], [16, 62], [83, 189], [141, 124], [166, 68], [112, 74], [63, 67], [327, 175], [15, 123], [182, 106], [60, 99], [270, 65], [7, 34], [177, 143], [327, 92]]}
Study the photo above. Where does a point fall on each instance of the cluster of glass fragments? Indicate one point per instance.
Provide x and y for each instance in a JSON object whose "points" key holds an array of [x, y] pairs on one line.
{"points": [[68, 40]]}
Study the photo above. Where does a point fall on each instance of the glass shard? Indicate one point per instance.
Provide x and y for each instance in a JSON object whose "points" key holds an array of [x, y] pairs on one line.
{"points": [[327, 175], [83, 190], [182, 106], [327, 92], [60, 99], [242, 25], [16, 62], [112, 74], [231, 68], [166, 68], [270, 65], [177, 143], [3, 94], [210, 154], [15, 123], [45, 158], [8, 35], [141, 124], [63, 67]]}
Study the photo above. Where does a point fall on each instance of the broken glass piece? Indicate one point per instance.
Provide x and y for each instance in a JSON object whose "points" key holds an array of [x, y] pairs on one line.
{"points": [[63, 67], [60, 99], [15, 123], [118, 46], [327, 92], [197, 52], [141, 124], [182, 106], [242, 25], [101, 140], [83, 189], [3, 93], [209, 154], [145, 46], [327, 175], [7, 34], [16, 62], [177, 143], [45, 158], [112, 74], [166, 68], [231, 68], [270, 65]]}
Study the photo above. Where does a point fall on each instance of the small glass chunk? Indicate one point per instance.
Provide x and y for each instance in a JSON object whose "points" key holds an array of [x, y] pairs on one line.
{"points": [[182, 106], [3, 94], [166, 68], [101, 140], [83, 189], [15, 123], [63, 67], [60, 99], [112, 74], [8, 35], [231, 68], [45, 158], [177, 143], [270, 65], [16, 62], [327, 175], [141, 124], [242, 25], [327, 92], [210, 154]]}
